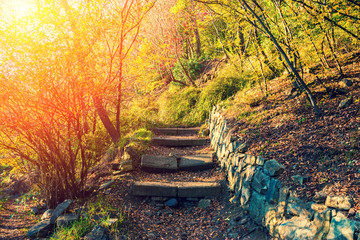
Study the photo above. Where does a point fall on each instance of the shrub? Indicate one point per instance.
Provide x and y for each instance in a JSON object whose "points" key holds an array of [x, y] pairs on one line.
{"points": [[139, 139], [216, 91], [176, 103], [193, 66]]}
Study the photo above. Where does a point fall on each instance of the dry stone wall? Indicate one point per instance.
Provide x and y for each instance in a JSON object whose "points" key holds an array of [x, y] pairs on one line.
{"points": [[253, 180]]}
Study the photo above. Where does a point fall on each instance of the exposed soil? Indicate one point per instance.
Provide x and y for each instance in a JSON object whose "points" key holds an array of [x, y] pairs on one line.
{"points": [[15, 220]]}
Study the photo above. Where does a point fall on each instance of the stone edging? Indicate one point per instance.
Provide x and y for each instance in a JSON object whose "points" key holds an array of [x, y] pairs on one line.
{"points": [[270, 203]]}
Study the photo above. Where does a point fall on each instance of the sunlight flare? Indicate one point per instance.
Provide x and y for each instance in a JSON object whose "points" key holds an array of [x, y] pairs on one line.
{"points": [[16, 9]]}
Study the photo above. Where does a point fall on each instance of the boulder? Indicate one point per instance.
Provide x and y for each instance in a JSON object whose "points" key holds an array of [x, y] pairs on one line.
{"points": [[320, 197], [345, 103], [106, 185], [339, 202], [41, 229], [127, 161], [233, 178], [296, 209], [357, 215], [132, 155], [300, 179], [59, 210], [319, 207], [273, 168], [260, 161], [172, 202], [47, 214], [245, 193], [272, 194], [272, 219], [240, 148], [282, 202], [296, 228], [260, 182], [250, 159], [238, 159], [341, 228], [97, 233], [204, 203], [248, 173], [321, 222], [257, 207], [66, 219]]}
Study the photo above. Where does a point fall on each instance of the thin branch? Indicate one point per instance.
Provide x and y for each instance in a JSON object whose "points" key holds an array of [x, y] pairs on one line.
{"points": [[327, 19]]}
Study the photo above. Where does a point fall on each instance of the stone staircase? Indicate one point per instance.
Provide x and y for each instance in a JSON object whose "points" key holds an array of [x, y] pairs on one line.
{"points": [[177, 138]]}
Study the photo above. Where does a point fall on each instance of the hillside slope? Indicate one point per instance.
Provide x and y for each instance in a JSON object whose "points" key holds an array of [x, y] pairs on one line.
{"points": [[324, 149]]}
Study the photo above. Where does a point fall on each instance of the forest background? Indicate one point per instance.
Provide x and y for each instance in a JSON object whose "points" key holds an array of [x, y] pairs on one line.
{"points": [[79, 77]]}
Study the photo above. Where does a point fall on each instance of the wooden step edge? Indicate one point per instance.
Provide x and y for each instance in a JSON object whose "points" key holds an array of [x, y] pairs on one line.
{"points": [[177, 189]]}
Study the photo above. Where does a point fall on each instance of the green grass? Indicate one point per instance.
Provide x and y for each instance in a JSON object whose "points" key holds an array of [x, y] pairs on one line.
{"points": [[190, 106], [217, 91], [140, 139], [75, 231], [101, 207], [176, 104]]}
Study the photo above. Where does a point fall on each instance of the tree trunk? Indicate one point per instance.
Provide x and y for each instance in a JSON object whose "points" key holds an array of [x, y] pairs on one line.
{"points": [[288, 62], [242, 40], [266, 59], [104, 117], [218, 35], [197, 38]]}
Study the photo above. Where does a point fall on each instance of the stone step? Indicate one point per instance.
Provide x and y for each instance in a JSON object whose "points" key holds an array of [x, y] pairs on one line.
{"points": [[176, 189], [196, 162], [158, 189], [151, 163], [179, 142], [176, 131], [198, 189]]}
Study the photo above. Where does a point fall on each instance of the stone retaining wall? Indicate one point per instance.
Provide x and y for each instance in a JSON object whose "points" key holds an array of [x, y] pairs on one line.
{"points": [[253, 180]]}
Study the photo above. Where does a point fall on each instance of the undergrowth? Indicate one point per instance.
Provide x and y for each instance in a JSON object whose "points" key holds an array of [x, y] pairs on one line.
{"points": [[190, 106], [97, 212], [176, 103]]}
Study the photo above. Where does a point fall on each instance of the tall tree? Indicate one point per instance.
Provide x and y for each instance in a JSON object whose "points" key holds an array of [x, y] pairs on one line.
{"points": [[119, 30], [284, 55]]}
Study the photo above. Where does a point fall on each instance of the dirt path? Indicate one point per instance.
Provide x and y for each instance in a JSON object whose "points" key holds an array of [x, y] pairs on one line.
{"points": [[151, 219], [15, 219]]}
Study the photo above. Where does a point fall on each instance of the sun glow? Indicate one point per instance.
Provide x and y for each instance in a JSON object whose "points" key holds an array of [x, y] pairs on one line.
{"points": [[16, 9]]}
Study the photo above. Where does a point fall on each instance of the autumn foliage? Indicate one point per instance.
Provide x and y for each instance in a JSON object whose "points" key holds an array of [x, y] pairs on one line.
{"points": [[77, 76]]}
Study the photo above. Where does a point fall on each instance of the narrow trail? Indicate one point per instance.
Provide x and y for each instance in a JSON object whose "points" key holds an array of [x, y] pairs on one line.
{"points": [[178, 217], [15, 219]]}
